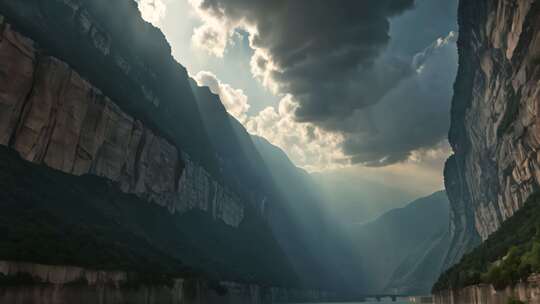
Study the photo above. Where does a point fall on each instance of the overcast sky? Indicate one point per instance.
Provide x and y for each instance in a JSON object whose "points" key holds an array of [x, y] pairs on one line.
{"points": [[357, 87]]}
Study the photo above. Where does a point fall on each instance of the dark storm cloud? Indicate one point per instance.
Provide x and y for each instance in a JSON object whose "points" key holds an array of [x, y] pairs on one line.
{"points": [[416, 113], [412, 116], [324, 50], [338, 60]]}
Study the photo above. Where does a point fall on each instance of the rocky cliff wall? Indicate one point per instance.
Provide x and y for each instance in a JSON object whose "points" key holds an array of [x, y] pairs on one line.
{"points": [[129, 61], [143, 108], [495, 131], [52, 116], [66, 284], [529, 292]]}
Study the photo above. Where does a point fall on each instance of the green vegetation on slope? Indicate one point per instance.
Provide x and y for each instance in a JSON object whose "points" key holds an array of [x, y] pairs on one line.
{"points": [[53, 218], [515, 301], [509, 255]]}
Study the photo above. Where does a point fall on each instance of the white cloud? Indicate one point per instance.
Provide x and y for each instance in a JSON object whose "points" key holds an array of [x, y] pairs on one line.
{"points": [[307, 145], [263, 68], [234, 100], [215, 33], [152, 11], [212, 39]]}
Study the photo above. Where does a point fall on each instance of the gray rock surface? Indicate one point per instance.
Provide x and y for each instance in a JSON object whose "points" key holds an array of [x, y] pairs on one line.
{"points": [[527, 291], [52, 116], [495, 132]]}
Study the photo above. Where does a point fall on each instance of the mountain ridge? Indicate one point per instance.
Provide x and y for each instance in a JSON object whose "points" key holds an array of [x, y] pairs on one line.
{"points": [[103, 96], [402, 250]]}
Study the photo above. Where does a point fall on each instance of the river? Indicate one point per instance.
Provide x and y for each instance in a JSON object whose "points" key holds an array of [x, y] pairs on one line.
{"points": [[382, 302]]}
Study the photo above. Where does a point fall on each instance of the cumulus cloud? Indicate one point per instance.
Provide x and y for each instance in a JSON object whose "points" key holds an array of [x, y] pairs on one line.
{"points": [[211, 38], [152, 11], [336, 62], [308, 145], [234, 100]]}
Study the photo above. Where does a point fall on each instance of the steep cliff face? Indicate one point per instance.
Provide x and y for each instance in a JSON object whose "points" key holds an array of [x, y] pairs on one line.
{"points": [[55, 218], [129, 61], [89, 88], [52, 116], [495, 132]]}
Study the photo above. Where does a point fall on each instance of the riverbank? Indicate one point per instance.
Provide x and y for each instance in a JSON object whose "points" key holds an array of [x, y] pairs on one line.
{"points": [[38, 283], [528, 291]]}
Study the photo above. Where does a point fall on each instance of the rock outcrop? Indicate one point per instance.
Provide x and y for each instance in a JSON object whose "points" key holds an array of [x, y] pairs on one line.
{"points": [[52, 116], [528, 291], [130, 62], [495, 132]]}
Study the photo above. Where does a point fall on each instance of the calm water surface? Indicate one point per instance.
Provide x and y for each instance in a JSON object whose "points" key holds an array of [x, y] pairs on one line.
{"points": [[383, 302]]}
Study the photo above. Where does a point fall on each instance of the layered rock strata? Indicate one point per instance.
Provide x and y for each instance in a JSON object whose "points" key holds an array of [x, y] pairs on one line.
{"points": [[52, 116], [495, 132], [66, 284], [130, 62]]}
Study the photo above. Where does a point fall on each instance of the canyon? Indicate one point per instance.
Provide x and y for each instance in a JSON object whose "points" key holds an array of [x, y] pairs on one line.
{"points": [[91, 97]]}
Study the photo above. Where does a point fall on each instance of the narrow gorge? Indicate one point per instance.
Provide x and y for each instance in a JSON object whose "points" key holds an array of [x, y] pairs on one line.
{"points": [[275, 163]]}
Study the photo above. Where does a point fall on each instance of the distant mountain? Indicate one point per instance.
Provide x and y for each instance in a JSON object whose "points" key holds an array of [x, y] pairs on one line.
{"points": [[359, 198], [403, 250]]}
